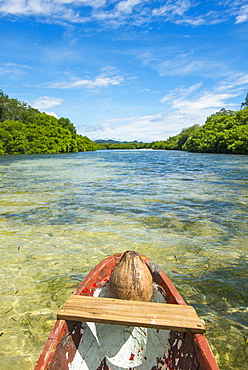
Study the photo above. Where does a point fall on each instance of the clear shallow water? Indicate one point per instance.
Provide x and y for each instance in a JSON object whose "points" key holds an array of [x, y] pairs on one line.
{"points": [[62, 214]]}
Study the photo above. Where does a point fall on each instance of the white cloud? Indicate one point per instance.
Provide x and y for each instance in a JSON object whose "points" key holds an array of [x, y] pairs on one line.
{"points": [[192, 67], [191, 99], [92, 3], [243, 16], [146, 128], [236, 82], [182, 92], [129, 128], [22, 7], [13, 68], [52, 114], [46, 102], [197, 21], [116, 12], [206, 101], [102, 80], [185, 106], [192, 63], [173, 7], [127, 6], [50, 9]]}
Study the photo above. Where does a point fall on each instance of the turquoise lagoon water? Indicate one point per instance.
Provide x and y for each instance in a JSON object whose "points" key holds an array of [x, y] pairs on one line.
{"points": [[62, 214]]}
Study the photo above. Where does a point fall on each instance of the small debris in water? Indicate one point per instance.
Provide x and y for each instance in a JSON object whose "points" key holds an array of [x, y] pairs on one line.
{"points": [[246, 343], [9, 310]]}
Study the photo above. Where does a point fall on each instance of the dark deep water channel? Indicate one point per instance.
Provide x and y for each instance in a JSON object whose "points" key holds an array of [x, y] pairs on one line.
{"points": [[62, 214]]}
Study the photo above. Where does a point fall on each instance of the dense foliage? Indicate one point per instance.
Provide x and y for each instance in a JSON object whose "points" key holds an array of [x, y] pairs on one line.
{"points": [[176, 142], [24, 130], [223, 132]]}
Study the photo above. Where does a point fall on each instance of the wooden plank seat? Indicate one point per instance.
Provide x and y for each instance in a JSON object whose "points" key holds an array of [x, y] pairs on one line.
{"points": [[131, 313]]}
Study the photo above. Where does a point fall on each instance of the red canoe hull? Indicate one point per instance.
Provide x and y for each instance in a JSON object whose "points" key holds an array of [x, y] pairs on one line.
{"points": [[63, 341]]}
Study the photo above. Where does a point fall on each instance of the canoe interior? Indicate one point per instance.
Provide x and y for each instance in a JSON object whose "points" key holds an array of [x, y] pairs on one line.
{"points": [[186, 350]]}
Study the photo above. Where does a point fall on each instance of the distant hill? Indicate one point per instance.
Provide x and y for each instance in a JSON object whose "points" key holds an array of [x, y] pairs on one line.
{"points": [[114, 144], [110, 141]]}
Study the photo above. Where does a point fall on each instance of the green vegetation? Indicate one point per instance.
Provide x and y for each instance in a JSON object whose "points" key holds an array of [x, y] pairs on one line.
{"points": [[176, 142], [223, 132], [24, 130]]}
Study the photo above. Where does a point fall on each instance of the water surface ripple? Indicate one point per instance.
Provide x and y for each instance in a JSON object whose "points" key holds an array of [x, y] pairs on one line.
{"points": [[62, 214]]}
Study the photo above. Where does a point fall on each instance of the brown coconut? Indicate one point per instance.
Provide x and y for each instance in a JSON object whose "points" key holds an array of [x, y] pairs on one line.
{"points": [[131, 279]]}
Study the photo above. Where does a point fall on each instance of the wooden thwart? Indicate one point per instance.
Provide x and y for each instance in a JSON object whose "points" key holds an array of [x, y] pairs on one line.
{"points": [[131, 313]]}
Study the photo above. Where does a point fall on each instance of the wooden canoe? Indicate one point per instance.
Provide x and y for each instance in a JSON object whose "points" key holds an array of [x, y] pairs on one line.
{"points": [[145, 335]]}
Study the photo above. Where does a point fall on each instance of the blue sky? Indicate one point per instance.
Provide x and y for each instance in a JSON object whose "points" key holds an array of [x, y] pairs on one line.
{"points": [[126, 70]]}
